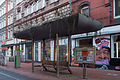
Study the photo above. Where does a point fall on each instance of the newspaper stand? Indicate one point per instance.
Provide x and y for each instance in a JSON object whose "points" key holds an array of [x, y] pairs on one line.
{"points": [[85, 56], [17, 59]]}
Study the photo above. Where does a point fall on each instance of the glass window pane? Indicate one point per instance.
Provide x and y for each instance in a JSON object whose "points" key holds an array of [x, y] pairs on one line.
{"points": [[115, 50], [119, 49], [117, 7], [85, 11]]}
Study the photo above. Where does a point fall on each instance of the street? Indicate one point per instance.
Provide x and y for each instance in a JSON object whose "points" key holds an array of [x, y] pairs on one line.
{"points": [[7, 75]]}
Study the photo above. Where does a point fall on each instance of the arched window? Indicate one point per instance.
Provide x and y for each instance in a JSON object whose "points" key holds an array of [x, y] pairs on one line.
{"points": [[84, 8]]}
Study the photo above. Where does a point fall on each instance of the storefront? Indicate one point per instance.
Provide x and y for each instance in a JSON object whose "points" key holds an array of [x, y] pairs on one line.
{"points": [[79, 42], [102, 44], [107, 44]]}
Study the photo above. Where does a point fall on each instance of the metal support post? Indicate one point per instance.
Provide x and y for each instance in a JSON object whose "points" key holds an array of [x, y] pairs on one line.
{"points": [[84, 71], [57, 51], [32, 55]]}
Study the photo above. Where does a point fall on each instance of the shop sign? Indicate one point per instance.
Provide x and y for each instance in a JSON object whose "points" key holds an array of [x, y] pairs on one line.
{"points": [[85, 55], [3, 42], [4, 48]]}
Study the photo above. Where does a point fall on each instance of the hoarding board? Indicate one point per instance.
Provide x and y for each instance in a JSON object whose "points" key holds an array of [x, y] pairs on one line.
{"points": [[85, 55]]}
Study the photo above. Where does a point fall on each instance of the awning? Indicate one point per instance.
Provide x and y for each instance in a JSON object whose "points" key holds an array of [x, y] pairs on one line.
{"points": [[75, 24]]}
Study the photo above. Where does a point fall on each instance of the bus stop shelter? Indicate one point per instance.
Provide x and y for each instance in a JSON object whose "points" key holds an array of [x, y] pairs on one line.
{"points": [[74, 24]]}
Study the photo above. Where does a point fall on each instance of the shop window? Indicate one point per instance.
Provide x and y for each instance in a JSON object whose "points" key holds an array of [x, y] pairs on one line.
{"points": [[117, 46], [83, 42], [47, 51], [116, 8], [36, 51], [63, 52]]}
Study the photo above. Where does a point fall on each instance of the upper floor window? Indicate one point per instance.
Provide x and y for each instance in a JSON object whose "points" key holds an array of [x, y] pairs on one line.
{"points": [[8, 6], [18, 1], [26, 11], [37, 5], [42, 4], [51, 1], [11, 5], [85, 11], [84, 8], [116, 8], [31, 11]]}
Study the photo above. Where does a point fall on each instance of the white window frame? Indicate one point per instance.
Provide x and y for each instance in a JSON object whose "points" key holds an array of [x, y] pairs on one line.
{"points": [[11, 18], [42, 4], [114, 11], [11, 34], [52, 1], [19, 15], [8, 19], [31, 7], [11, 5], [83, 9], [37, 5]]}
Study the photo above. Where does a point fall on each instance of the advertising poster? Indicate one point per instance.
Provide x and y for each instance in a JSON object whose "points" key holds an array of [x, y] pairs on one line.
{"points": [[85, 55], [102, 44]]}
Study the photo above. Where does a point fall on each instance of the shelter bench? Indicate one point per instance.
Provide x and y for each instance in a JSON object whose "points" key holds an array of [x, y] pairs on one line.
{"points": [[53, 64]]}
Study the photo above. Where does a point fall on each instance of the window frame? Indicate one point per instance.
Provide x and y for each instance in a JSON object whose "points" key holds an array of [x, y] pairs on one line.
{"points": [[114, 10], [52, 1], [84, 7]]}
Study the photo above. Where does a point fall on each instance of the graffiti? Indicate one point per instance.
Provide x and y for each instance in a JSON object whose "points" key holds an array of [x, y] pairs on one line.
{"points": [[102, 42]]}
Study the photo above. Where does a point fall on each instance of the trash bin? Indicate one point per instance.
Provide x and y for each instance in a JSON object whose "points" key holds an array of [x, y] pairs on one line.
{"points": [[17, 59]]}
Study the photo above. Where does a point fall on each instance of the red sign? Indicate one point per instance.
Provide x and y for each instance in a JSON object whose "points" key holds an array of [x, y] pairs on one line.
{"points": [[3, 42], [4, 48]]}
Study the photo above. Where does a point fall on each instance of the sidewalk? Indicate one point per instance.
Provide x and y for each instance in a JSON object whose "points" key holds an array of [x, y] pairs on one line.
{"points": [[92, 74]]}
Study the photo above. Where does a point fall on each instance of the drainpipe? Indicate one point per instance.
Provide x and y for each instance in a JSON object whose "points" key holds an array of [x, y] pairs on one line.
{"points": [[69, 42], [70, 7]]}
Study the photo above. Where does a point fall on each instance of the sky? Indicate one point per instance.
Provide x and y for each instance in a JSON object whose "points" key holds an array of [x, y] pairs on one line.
{"points": [[1, 1]]}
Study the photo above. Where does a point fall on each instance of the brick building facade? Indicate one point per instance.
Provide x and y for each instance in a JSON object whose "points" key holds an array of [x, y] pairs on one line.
{"points": [[108, 12], [98, 9]]}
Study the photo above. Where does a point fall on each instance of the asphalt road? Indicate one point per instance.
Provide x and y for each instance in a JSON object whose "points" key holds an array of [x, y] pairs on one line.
{"points": [[7, 75]]}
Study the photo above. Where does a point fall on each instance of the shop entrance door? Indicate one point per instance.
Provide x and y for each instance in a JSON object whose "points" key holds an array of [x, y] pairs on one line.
{"points": [[29, 52]]}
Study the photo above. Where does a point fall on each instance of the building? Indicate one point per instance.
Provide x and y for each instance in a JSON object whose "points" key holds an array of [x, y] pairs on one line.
{"points": [[108, 12], [26, 14], [6, 26], [30, 13]]}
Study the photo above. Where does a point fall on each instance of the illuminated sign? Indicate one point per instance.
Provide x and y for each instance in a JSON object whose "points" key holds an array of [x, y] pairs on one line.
{"points": [[3, 42], [4, 48]]}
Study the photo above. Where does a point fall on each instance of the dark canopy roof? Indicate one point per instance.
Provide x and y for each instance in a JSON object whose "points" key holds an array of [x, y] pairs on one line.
{"points": [[71, 25]]}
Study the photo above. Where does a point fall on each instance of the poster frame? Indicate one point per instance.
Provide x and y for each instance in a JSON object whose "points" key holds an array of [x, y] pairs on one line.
{"points": [[86, 49]]}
